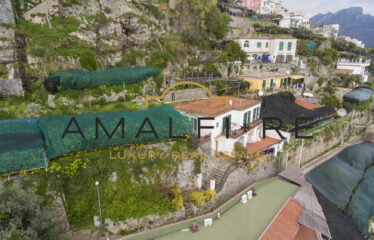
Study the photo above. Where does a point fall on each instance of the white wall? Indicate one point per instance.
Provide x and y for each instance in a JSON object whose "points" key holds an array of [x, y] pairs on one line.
{"points": [[236, 123], [272, 49]]}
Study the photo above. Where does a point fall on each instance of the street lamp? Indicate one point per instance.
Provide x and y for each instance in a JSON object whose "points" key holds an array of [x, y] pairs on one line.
{"points": [[98, 198]]}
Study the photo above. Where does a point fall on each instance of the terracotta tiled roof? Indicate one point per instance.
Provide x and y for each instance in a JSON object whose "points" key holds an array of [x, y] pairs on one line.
{"points": [[306, 233], [306, 104], [342, 71], [214, 107], [261, 145], [285, 225]]}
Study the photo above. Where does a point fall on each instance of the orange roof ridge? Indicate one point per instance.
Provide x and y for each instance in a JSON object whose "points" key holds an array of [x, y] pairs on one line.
{"points": [[213, 107]]}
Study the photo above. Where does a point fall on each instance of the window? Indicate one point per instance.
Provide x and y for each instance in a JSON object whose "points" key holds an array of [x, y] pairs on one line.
{"points": [[224, 122], [259, 44], [258, 113], [246, 44], [173, 97], [289, 47], [247, 118], [281, 45], [267, 44], [254, 114]]}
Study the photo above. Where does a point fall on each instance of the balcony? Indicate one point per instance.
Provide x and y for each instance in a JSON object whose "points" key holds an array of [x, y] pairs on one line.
{"points": [[240, 132]]}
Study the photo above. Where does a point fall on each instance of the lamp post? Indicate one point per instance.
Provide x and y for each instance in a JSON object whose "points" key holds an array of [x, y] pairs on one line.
{"points": [[98, 198]]}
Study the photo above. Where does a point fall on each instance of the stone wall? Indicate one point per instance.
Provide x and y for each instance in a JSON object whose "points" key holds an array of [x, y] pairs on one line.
{"points": [[187, 95], [11, 87], [323, 140], [8, 85], [7, 32]]}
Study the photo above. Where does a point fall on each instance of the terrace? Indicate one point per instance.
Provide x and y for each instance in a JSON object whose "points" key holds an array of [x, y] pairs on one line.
{"points": [[245, 221]]}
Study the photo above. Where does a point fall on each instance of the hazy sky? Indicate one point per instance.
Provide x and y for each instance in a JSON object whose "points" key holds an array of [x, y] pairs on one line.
{"points": [[313, 7]]}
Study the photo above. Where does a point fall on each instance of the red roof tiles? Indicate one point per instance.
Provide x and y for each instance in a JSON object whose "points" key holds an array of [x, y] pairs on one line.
{"points": [[306, 104], [261, 145], [285, 225], [214, 107]]}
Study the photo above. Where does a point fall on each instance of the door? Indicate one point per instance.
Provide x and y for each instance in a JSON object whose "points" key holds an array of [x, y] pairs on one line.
{"points": [[271, 84], [224, 122], [263, 85]]}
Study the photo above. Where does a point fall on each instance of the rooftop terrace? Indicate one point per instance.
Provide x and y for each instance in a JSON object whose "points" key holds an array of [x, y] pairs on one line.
{"points": [[245, 221]]}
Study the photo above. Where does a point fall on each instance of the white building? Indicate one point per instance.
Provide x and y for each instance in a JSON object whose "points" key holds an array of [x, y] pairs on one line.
{"points": [[276, 50], [359, 67], [355, 41], [244, 123], [328, 30], [289, 22]]}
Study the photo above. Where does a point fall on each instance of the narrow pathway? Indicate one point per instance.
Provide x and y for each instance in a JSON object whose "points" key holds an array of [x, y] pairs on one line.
{"points": [[325, 157]]}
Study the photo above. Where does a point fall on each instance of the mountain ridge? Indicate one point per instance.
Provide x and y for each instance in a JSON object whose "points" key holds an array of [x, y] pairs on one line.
{"points": [[353, 22]]}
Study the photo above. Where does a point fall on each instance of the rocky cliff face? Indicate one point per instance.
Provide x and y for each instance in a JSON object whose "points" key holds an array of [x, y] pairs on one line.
{"points": [[8, 85]]}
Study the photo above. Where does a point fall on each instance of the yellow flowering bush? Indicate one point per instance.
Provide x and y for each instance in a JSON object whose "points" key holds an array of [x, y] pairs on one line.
{"points": [[199, 198]]}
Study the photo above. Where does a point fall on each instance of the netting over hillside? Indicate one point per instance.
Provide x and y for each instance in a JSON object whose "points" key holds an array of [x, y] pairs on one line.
{"points": [[341, 226], [21, 145], [359, 95], [54, 127], [79, 79], [283, 106], [361, 208], [337, 178]]}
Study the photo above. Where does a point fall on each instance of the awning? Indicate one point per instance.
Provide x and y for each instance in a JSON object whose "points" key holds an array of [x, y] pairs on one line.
{"points": [[297, 77]]}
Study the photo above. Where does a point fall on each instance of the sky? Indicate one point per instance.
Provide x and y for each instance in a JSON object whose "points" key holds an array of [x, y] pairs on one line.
{"points": [[312, 7]]}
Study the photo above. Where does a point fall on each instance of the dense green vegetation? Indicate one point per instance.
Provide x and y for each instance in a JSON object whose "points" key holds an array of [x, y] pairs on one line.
{"points": [[25, 215], [332, 101], [140, 189]]}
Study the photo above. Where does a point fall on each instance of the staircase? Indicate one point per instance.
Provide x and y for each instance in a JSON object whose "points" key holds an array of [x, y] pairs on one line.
{"points": [[220, 177]]}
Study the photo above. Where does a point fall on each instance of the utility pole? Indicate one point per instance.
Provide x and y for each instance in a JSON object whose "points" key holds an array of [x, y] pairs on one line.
{"points": [[301, 152], [98, 198]]}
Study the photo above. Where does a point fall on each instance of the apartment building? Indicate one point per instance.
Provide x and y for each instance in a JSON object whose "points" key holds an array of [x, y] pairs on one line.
{"points": [[275, 50]]}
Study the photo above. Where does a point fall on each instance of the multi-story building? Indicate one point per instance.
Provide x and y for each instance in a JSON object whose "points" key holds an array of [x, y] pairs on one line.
{"points": [[242, 116], [275, 50], [359, 67], [328, 30], [252, 4]]}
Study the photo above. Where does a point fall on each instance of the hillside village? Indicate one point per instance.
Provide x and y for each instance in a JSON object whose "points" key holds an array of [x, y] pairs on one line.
{"points": [[263, 97]]}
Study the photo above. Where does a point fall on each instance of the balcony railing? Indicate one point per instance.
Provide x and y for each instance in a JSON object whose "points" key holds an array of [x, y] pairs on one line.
{"points": [[240, 132]]}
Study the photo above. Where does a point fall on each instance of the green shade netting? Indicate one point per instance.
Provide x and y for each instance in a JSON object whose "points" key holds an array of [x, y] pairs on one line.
{"points": [[79, 79], [347, 181], [54, 127], [21, 145], [359, 95]]}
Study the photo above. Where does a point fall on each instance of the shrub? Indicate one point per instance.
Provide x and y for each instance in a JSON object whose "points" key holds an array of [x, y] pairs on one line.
{"points": [[331, 100], [321, 80], [199, 198], [88, 61], [24, 216], [239, 148], [177, 202]]}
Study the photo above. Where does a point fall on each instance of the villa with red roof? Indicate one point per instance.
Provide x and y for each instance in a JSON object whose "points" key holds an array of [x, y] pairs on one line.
{"points": [[242, 116]]}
